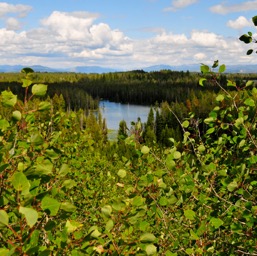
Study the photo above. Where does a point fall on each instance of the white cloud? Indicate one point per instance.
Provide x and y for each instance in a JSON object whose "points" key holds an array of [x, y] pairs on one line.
{"points": [[19, 9], [179, 4], [73, 39], [12, 24], [244, 6], [239, 23], [200, 56]]}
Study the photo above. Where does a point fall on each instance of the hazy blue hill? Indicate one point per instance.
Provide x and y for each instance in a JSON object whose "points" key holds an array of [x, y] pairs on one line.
{"points": [[99, 70]]}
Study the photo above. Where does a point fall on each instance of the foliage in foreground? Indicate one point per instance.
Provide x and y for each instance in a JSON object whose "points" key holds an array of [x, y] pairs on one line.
{"points": [[60, 195]]}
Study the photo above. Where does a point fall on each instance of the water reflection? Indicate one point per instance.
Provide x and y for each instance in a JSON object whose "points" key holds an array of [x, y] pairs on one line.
{"points": [[115, 112]]}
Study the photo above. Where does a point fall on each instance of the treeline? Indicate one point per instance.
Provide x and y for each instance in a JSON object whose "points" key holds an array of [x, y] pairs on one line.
{"points": [[139, 87]]}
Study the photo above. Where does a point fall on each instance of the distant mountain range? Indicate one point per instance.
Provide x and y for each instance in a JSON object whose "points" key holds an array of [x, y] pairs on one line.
{"points": [[101, 70]]}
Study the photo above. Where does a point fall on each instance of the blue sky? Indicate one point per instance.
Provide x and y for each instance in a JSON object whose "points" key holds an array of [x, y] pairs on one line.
{"points": [[124, 34]]}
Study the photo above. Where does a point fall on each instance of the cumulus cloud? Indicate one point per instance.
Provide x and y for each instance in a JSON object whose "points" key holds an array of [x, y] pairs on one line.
{"points": [[244, 6], [19, 9], [77, 38], [179, 4], [239, 23]]}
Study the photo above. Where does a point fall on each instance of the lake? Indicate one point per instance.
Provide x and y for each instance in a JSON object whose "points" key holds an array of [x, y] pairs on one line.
{"points": [[115, 112]]}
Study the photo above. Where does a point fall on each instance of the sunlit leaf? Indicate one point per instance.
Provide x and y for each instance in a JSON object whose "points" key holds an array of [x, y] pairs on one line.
{"points": [[30, 214], [4, 218], [72, 225], [20, 182], [50, 204], [216, 222], [16, 115], [122, 173], [222, 68], [189, 214], [147, 238], [151, 249], [39, 89], [8, 98], [145, 150], [201, 81]]}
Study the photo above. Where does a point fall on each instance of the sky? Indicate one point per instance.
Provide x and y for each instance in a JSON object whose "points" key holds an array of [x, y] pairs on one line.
{"points": [[125, 34]]}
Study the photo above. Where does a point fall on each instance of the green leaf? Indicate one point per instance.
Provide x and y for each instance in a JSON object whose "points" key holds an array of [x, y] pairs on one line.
{"points": [[193, 235], [4, 219], [109, 225], [67, 207], [44, 167], [69, 184], [185, 124], [44, 105], [220, 97], [231, 83], [31, 215], [176, 155], [216, 222], [145, 150], [20, 182], [26, 83], [122, 173], [210, 131], [163, 201], [190, 251], [65, 169], [189, 214], [4, 124], [147, 238], [151, 249], [170, 162], [39, 89], [107, 210], [50, 204], [204, 68], [8, 98], [36, 139], [16, 115], [222, 68], [232, 186], [249, 83], [249, 102], [72, 225], [201, 80]]}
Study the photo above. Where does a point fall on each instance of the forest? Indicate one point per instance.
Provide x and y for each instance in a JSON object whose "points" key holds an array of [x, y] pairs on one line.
{"points": [[183, 183]]}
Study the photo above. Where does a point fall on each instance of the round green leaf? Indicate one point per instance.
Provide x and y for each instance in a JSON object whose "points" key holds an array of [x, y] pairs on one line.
{"points": [[189, 214], [50, 204], [151, 249], [145, 150], [16, 115], [8, 98], [20, 182], [30, 214], [39, 89], [122, 173], [147, 238]]}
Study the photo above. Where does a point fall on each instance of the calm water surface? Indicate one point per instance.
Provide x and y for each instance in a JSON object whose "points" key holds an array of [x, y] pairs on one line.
{"points": [[115, 112]]}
